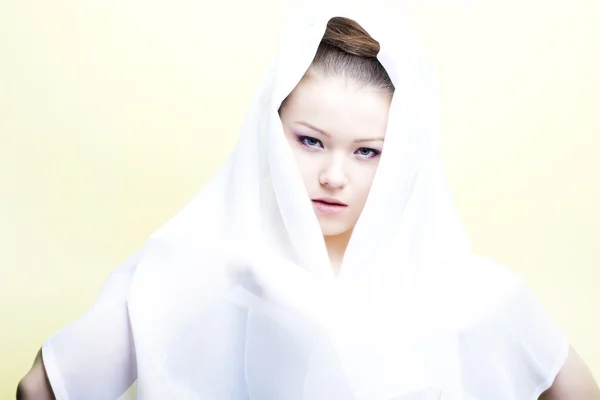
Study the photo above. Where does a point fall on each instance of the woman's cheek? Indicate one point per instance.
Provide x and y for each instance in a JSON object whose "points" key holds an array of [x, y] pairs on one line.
{"points": [[366, 179]]}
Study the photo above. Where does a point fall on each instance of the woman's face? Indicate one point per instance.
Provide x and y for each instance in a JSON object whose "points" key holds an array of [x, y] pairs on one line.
{"points": [[336, 128]]}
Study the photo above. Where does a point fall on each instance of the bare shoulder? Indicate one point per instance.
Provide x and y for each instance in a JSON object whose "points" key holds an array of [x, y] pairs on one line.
{"points": [[35, 384], [574, 381]]}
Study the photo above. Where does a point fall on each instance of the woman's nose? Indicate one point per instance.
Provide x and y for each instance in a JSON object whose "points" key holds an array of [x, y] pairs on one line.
{"points": [[333, 175]]}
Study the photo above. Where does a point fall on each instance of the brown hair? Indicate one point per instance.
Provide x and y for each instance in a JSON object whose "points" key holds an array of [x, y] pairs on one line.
{"points": [[348, 50]]}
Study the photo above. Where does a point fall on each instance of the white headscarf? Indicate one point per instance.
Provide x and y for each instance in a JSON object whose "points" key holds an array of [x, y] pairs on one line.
{"points": [[234, 297]]}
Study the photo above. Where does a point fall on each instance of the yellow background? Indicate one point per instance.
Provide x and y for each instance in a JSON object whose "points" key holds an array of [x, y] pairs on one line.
{"points": [[114, 113]]}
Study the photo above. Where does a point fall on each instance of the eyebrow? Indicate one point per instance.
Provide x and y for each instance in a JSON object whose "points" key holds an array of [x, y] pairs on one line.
{"points": [[322, 132]]}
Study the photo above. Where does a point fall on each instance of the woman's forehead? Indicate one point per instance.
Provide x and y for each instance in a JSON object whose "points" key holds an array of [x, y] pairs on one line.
{"points": [[337, 105]]}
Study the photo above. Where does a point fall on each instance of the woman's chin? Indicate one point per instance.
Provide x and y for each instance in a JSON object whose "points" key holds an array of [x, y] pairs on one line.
{"points": [[332, 230]]}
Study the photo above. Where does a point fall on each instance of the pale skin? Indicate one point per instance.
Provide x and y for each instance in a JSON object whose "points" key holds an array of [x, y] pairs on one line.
{"points": [[336, 129]]}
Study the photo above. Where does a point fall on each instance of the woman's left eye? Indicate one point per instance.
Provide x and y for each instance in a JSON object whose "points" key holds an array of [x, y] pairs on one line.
{"points": [[367, 152]]}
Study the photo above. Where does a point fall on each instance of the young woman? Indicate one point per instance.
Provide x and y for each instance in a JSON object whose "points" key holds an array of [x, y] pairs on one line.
{"points": [[325, 260]]}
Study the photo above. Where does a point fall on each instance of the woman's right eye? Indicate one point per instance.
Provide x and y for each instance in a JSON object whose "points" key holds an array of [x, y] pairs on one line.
{"points": [[310, 141]]}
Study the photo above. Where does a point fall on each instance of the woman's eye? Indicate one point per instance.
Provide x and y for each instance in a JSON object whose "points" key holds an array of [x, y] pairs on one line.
{"points": [[310, 141], [367, 152]]}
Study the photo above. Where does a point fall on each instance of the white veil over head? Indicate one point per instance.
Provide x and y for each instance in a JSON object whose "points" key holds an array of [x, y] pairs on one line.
{"points": [[234, 297], [261, 179]]}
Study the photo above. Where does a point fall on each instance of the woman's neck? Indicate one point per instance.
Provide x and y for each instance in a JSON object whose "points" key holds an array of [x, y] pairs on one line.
{"points": [[336, 248]]}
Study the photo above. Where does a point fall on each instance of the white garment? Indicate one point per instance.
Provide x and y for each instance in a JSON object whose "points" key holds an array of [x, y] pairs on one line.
{"points": [[414, 314]]}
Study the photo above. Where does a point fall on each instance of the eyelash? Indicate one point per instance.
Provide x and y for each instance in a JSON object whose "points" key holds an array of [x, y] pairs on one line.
{"points": [[303, 140]]}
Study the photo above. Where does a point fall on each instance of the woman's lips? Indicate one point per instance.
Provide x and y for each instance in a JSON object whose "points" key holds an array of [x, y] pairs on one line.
{"points": [[328, 206]]}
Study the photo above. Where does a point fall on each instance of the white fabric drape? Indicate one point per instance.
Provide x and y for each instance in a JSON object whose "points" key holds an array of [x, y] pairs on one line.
{"points": [[234, 298]]}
